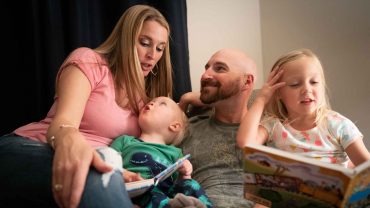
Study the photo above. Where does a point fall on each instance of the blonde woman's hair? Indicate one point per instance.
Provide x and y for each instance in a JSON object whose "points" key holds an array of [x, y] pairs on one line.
{"points": [[120, 50], [275, 108]]}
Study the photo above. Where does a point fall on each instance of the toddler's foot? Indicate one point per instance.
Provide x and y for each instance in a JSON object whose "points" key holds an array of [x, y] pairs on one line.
{"points": [[183, 201]]}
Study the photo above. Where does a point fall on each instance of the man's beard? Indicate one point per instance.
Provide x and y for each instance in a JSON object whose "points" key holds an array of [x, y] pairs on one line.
{"points": [[222, 92]]}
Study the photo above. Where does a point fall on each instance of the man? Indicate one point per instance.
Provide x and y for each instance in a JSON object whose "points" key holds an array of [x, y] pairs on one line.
{"points": [[226, 85]]}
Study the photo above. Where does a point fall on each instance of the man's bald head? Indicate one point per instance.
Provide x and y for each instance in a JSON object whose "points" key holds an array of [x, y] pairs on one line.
{"points": [[237, 59], [229, 73]]}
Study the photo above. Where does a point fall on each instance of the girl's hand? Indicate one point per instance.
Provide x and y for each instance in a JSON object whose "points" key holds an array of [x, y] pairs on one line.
{"points": [[271, 85], [185, 170], [129, 176], [72, 160]]}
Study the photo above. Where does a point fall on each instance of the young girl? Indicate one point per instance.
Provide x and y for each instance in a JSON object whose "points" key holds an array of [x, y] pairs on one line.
{"points": [[298, 117]]}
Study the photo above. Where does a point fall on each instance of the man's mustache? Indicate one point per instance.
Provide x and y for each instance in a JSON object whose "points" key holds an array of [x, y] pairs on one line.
{"points": [[210, 82]]}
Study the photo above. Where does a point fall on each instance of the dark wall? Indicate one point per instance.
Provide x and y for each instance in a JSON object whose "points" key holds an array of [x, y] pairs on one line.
{"points": [[38, 35]]}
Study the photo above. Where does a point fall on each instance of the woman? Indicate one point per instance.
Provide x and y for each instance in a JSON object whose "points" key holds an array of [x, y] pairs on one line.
{"points": [[98, 96]]}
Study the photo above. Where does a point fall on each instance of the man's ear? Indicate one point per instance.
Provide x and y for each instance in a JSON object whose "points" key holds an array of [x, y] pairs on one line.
{"points": [[175, 126], [248, 81]]}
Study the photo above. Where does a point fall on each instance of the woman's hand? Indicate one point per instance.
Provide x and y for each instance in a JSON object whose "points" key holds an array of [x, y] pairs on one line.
{"points": [[185, 170], [72, 160]]}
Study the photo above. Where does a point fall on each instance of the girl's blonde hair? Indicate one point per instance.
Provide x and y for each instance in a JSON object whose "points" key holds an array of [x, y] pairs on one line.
{"points": [[277, 109], [120, 50]]}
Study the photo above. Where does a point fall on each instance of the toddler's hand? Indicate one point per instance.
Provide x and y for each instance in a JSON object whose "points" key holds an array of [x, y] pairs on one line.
{"points": [[129, 176], [186, 169]]}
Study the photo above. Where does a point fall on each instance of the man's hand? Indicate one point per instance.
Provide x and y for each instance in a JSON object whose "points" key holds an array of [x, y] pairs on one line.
{"points": [[191, 98]]}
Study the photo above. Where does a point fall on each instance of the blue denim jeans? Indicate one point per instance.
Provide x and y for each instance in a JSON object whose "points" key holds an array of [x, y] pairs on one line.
{"points": [[25, 178]]}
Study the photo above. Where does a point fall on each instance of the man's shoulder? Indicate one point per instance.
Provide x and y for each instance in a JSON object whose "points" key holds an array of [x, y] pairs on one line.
{"points": [[199, 118], [198, 126]]}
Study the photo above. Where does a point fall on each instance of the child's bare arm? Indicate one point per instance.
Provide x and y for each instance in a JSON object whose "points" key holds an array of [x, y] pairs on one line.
{"points": [[249, 129], [358, 152]]}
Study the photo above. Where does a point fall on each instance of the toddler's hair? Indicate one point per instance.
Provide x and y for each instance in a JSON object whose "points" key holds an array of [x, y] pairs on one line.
{"points": [[185, 123], [277, 109]]}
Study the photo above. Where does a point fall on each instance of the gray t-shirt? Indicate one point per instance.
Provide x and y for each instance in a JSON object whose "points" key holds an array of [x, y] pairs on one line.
{"points": [[217, 160]]}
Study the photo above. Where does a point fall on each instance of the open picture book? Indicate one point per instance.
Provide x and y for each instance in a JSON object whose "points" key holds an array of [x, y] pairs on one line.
{"points": [[277, 178], [137, 188]]}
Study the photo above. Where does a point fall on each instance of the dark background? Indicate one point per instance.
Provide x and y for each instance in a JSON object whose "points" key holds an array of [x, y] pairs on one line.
{"points": [[39, 34]]}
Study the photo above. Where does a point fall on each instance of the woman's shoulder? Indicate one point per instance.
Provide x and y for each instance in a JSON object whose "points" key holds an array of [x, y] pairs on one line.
{"points": [[83, 50], [85, 54], [91, 63], [87, 59]]}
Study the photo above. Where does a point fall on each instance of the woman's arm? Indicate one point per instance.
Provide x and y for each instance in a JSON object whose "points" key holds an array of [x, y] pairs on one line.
{"points": [[73, 155]]}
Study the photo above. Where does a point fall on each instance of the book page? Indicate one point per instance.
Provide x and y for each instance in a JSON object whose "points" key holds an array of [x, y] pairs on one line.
{"points": [[137, 188], [358, 194], [289, 180], [170, 170]]}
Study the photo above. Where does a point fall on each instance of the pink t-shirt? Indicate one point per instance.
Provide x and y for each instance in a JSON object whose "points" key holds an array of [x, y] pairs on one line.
{"points": [[326, 144], [103, 120]]}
